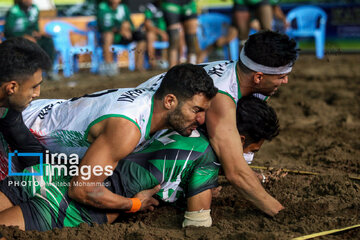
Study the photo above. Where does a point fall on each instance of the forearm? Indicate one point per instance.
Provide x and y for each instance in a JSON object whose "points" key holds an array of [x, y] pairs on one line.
{"points": [[279, 14], [99, 197], [242, 177], [249, 186]]}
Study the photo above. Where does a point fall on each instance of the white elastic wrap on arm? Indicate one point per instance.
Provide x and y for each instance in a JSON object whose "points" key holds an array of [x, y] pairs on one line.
{"points": [[200, 218]]}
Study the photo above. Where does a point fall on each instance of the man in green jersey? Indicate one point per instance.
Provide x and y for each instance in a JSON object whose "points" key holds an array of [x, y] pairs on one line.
{"points": [[185, 167], [22, 20], [116, 27]]}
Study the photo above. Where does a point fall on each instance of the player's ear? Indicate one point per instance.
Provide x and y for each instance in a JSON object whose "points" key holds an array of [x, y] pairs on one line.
{"points": [[242, 140], [258, 77], [11, 87], [170, 101]]}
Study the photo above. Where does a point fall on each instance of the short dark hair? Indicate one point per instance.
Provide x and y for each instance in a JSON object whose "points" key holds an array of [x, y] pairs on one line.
{"points": [[256, 120], [186, 80], [271, 49], [21, 58]]}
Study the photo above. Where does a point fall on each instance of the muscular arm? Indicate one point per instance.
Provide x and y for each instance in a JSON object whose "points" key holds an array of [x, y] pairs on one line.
{"points": [[225, 140], [149, 26], [116, 139]]}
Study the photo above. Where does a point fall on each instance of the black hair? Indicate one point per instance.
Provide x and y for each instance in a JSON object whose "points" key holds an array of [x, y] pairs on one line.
{"points": [[271, 49], [186, 80], [21, 58], [256, 120]]}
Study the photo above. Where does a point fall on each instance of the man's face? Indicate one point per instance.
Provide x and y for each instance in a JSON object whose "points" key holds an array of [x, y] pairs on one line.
{"points": [[270, 84], [114, 2], [27, 90], [253, 147], [187, 116], [27, 3]]}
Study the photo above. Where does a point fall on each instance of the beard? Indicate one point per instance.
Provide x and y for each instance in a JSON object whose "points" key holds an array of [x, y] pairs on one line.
{"points": [[16, 106], [176, 121], [266, 91]]}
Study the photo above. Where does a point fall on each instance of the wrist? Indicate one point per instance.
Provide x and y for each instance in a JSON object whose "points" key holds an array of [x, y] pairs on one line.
{"points": [[135, 205]]}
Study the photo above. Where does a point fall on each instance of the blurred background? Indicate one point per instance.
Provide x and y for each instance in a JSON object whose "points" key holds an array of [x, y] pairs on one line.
{"points": [[340, 33]]}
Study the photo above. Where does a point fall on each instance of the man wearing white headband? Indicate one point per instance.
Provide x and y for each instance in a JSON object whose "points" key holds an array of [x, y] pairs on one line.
{"points": [[264, 65]]}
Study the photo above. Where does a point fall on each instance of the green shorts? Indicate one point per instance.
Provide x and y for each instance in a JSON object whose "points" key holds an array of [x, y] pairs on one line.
{"points": [[44, 201], [175, 13]]}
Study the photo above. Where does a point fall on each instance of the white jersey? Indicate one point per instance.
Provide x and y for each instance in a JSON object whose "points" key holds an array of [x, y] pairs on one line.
{"points": [[63, 125], [223, 73]]}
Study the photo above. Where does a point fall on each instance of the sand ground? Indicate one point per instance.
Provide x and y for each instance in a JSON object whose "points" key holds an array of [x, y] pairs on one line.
{"points": [[319, 112]]}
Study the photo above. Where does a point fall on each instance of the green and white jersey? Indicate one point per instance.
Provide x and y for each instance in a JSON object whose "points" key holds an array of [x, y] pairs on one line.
{"points": [[19, 22], [183, 166], [223, 73], [155, 15], [108, 18], [63, 125]]}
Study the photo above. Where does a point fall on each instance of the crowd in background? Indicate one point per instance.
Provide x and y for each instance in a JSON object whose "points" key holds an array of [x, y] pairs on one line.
{"points": [[172, 21]]}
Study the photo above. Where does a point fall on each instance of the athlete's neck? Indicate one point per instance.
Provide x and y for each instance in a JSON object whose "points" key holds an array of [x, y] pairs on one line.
{"points": [[246, 86], [159, 117], [4, 98]]}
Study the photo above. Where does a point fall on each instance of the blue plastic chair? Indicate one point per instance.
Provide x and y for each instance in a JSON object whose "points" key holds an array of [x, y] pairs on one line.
{"points": [[60, 33], [211, 27], [115, 48], [308, 21], [2, 35]]}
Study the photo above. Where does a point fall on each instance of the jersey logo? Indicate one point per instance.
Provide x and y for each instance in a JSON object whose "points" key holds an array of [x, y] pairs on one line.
{"points": [[46, 109], [131, 95], [219, 69], [166, 138]]}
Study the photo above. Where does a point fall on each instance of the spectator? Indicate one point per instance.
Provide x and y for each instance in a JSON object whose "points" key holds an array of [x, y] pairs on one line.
{"points": [[22, 20], [181, 14], [242, 10], [116, 27], [155, 27], [280, 23]]}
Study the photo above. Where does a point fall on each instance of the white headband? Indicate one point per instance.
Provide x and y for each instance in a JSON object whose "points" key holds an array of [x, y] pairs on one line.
{"points": [[261, 68]]}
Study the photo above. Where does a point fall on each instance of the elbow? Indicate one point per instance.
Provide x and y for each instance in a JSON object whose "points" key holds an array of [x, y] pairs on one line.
{"points": [[239, 180], [232, 177]]}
